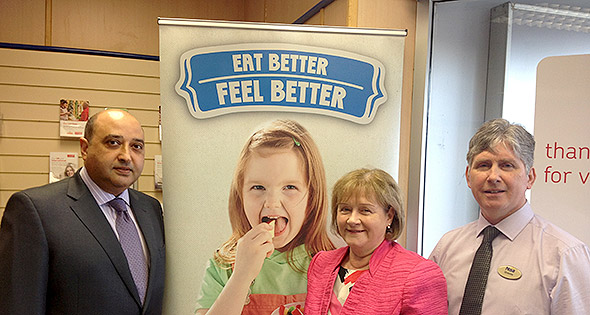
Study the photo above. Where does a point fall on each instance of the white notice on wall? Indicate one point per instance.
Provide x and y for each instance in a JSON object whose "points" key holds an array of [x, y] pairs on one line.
{"points": [[158, 172], [62, 165]]}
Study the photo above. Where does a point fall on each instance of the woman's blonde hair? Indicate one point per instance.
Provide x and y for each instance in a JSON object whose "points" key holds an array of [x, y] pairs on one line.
{"points": [[282, 135], [371, 183]]}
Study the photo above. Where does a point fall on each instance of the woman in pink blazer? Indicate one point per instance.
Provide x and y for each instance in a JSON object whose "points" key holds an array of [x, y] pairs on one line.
{"points": [[373, 274]]}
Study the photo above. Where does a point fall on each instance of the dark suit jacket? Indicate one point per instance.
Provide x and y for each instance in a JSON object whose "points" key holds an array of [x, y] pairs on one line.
{"points": [[59, 255]]}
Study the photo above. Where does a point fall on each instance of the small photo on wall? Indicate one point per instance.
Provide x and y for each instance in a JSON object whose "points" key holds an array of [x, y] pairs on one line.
{"points": [[73, 110], [73, 115]]}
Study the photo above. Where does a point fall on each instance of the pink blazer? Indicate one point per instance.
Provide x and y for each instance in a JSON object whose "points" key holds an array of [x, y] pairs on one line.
{"points": [[398, 282]]}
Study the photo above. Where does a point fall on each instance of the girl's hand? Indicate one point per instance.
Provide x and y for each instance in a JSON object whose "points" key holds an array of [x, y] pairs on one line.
{"points": [[251, 250]]}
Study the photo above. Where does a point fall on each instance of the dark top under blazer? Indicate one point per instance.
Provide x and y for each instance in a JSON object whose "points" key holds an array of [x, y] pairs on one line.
{"points": [[59, 254]]}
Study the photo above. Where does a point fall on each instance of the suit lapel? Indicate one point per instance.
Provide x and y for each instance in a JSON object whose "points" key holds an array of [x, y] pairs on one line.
{"points": [[85, 207]]}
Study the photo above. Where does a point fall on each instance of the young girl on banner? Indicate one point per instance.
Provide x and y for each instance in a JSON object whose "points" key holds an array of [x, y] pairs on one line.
{"points": [[277, 210]]}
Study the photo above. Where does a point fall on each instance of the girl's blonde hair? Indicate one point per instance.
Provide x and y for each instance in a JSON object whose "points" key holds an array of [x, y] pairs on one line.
{"points": [[369, 183], [282, 135]]}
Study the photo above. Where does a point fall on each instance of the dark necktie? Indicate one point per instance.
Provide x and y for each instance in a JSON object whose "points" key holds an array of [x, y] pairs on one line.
{"points": [[478, 275], [131, 244]]}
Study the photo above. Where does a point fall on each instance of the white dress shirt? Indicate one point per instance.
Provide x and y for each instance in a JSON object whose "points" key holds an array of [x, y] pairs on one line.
{"points": [[555, 266]]}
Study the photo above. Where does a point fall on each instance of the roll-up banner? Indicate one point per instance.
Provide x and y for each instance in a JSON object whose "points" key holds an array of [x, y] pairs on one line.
{"points": [[227, 90], [561, 192]]}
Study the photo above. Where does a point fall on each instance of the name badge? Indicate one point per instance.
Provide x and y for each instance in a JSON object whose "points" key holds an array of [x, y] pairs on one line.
{"points": [[509, 272]]}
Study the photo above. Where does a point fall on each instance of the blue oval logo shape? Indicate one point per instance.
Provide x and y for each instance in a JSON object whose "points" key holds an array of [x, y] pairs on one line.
{"points": [[281, 77]]}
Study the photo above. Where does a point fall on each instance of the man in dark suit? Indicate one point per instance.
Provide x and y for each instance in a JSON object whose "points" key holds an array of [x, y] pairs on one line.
{"points": [[65, 248]]}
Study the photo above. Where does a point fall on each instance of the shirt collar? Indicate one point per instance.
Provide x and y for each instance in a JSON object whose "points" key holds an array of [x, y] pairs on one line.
{"points": [[510, 226], [102, 197]]}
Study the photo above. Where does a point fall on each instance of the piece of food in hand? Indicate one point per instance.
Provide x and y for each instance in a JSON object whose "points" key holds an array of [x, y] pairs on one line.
{"points": [[271, 221], [272, 224]]}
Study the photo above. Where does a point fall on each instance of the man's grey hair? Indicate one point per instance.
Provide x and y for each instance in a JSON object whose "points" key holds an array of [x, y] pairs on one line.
{"points": [[501, 131]]}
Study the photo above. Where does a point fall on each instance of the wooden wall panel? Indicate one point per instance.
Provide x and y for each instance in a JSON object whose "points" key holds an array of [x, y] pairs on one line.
{"points": [[336, 14], [21, 181], [31, 84], [70, 62], [254, 10], [52, 78], [22, 21], [106, 25], [398, 14], [41, 144], [25, 111], [34, 163], [232, 10], [287, 11], [48, 95], [129, 26], [31, 128]]}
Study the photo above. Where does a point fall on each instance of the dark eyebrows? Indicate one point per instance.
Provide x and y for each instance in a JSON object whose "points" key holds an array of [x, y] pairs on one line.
{"points": [[510, 161], [112, 136], [119, 137], [480, 160], [500, 161]]}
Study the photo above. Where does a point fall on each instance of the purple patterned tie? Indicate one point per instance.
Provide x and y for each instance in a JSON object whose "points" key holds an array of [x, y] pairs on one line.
{"points": [[131, 244]]}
